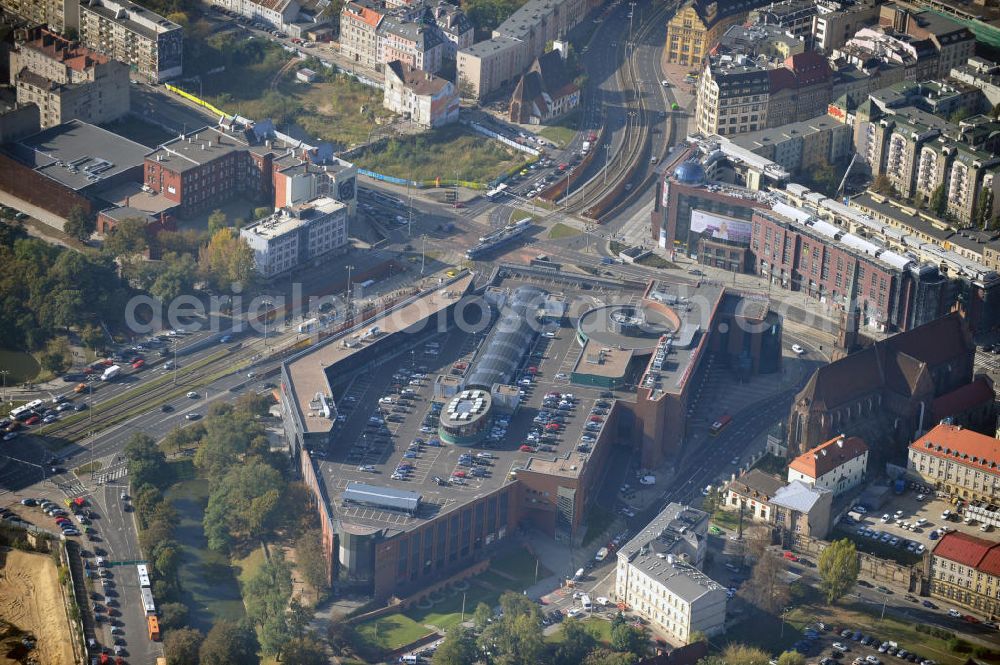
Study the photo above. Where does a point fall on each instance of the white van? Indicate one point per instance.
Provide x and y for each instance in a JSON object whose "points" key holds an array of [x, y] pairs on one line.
{"points": [[579, 575], [585, 601]]}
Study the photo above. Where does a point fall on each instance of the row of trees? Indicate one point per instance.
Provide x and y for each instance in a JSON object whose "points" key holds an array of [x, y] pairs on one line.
{"points": [[516, 637]]}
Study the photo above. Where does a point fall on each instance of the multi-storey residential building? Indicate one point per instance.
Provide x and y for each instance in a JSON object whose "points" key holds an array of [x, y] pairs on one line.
{"points": [[678, 530], [837, 465], [800, 146], [954, 42], [792, 16], [293, 236], [278, 13], [359, 40], [974, 175], [738, 95], [834, 23], [960, 461], [427, 100], [965, 570], [149, 44], [454, 25], [57, 15], [496, 63], [416, 44], [306, 181], [68, 81], [698, 24], [754, 41], [673, 595]]}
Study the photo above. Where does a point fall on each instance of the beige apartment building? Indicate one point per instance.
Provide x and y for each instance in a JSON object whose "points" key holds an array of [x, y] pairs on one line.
{"points": [[57, 15], [958, 460], [965, 570], [149, 44], [68, 81]]}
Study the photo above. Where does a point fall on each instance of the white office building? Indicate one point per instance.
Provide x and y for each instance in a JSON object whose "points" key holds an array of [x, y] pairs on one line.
{"points": [[293, 236], [657, 576]]}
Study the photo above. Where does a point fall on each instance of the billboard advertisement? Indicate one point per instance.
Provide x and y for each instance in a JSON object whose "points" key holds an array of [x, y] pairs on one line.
{"points": [[720, 227]]}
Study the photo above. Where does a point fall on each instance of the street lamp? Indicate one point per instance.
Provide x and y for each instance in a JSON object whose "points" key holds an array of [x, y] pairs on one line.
{"points": [[349, 269], [4, 373], [267, 311]]}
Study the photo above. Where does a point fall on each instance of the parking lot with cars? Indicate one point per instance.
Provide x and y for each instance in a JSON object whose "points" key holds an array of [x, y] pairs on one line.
{"points": [[849, 644]]}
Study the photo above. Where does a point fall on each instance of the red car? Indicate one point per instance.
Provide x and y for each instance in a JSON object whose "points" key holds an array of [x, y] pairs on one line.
{"points": [[89, 370], [532, 370], [459, 474], [596, 419], [552, 427], [526, 449], [32, 420], [970, 618], [107, 362], [138, 364], [791, 557]]}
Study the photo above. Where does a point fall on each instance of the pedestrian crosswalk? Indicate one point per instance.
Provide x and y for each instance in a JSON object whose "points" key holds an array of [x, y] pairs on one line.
{"points": [[117, 469]]}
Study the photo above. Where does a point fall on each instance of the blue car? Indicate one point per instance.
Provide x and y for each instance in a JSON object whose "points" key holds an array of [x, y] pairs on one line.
{"points": [[929, 604], [410, 455]]}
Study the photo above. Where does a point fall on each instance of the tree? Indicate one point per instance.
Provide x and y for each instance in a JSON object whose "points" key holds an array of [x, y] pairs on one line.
{"points": [[741, 654], [93, 337], [274, 635], [267, 592], [576, 643], [180, 18], [838, 567], [57, 357], [305, 651], [938, 201], [604, 656], [262, 212], [227, 258], [127, 242], [311, 561], [80, 224], [766, 588], [791, 658], [882, 184], [984, 209], [229, 643], [181, 645], [758, 539], [516, 637], [217, 221], [173, 615], [177, 277], [630, 638], [711, 501], [458, 648], [482, 616], [341, 636]]}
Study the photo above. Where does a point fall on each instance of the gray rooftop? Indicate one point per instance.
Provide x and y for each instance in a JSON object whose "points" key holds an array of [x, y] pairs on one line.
{"points": [[490, 46], [134, 17], [798, 496], [678, 530], [77, 154]]}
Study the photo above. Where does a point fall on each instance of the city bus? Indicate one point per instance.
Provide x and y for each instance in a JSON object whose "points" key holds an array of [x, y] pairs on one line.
{"points": [[720, 425], [153, 624], [143, 572], [497, 192], [25, 410], [147, 600]]}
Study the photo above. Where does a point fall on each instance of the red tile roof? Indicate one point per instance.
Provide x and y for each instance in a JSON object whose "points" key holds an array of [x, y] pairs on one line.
{"points": [[964, 446], [827, 456], [55, 46], [968, 550], [974, 394]]}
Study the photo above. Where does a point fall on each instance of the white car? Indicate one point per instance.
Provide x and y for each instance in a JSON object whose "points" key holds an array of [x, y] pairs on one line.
{"points": [[647, 480], [192, 394], [602, 601], [840, 647], [798, 349], [574, 612], [561, 375], [954, 613]]}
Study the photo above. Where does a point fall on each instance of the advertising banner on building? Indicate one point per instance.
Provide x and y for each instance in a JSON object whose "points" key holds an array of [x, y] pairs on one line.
{"points": [[720, 227]]}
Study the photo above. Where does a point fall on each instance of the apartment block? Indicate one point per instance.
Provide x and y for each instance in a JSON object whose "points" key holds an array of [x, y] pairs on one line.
{"points": [[418, 45], [981, 73], [292, 237], [673, 595], [953, 42], [427, 100], [454, 25], [304, 181], [57, 15], [960, 461], [278, 13], [794, 17], [965, 571], [421, 35], [974, 174], [835, 23], [68, 81], [837, 465], [149, 44], [496, 63], [359, 21], [800, 146]]}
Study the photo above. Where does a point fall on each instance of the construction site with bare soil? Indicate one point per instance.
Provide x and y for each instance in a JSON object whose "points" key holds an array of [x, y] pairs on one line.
{"points": [[34, 625]]}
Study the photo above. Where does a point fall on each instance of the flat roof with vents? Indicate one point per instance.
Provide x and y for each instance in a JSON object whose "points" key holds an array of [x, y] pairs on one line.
{"points": [[382, 497], [466, 407]]}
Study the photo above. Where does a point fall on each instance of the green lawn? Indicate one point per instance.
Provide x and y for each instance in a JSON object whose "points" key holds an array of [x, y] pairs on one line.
{"points": [[448, 153], [519, 214], [519, 566], [392, 632], [560, 230], [249, 564], [563, 131], [656, 261], [728, 519], [599, 627]]}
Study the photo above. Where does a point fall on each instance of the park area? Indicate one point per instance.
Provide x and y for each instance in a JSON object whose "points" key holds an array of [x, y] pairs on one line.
{"points": [[32, 606], [514, 571], [448, 153]]}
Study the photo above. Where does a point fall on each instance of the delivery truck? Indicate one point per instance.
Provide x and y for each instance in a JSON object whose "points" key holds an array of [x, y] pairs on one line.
{"points": [[111, 372]]}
